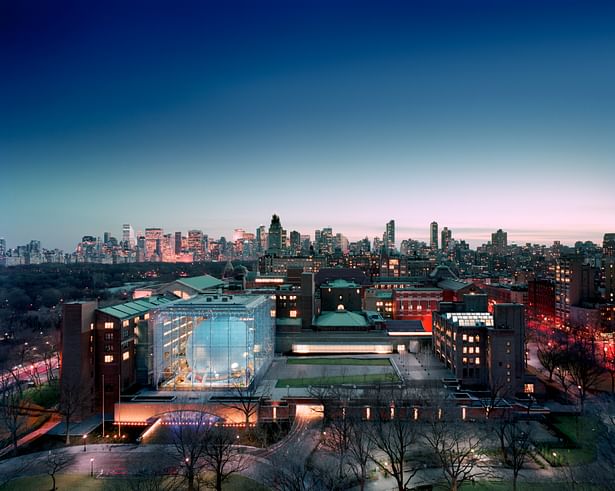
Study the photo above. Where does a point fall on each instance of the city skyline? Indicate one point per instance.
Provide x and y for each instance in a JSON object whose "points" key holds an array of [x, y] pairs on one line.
{"points": [[479, 116]]}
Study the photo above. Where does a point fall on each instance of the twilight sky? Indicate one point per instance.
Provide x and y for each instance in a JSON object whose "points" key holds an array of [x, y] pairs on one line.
{"points": [[215, 115]]}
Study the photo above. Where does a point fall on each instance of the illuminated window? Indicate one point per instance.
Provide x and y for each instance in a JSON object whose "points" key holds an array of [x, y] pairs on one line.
{"points": [[125, 355], [108, 325], [477, 360], [464, 337], [146, 316], [477, 350], [125, 323], [108, 358], [528, 388], [471, 339], [293, 313]]}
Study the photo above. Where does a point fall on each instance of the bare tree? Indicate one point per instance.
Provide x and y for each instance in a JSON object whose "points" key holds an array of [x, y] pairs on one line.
{"points": [[221, 455], [56, 461], [585, 370], [148, 480], [246, 401], [72, 402], [497, 391], [395, 435], [336, 438], [360, 450], [190, 433], [562, 373], [515, 444], [203, 446], [13, 415], [549, 355], [455, 448], [292, 474]]}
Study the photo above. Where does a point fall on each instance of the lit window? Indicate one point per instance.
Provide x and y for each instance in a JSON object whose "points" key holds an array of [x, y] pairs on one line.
{"points": [[528, 388], [464, 337], [108, 325], [471, 339], [477, 350], [125, 355], [293, 313], [125, 323], [108, 358], [477, 360]]}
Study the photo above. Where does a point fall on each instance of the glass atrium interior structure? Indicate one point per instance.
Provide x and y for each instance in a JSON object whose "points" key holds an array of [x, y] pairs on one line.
{"points": [[212, 341]]}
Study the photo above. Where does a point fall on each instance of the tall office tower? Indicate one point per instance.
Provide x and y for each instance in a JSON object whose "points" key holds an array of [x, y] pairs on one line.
{"points": [[128, 236], [261, 239], [389, 236], [446, 237], [499, 240], [274, 239], [608, 245], [195, 244], [340, 242], [295, 243], [106, 237], [433, 236], [574, 282], [153, 237], [326, 240], [2, 246], [178, 242]]}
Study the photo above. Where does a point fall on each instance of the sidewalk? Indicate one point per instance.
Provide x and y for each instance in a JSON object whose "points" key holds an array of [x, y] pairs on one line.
{"points": [[33, 435]]}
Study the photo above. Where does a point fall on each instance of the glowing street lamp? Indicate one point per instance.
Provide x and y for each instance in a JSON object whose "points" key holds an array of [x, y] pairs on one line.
{"points": [[92, 467], [84, 440]]}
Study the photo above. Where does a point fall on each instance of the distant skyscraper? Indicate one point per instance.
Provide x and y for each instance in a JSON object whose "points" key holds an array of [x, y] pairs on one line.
{"points": [[196, 244], [274, 239], [153, 238], [178, 242], [295, 242], [433, 236], [608, 245], [446, 237], [128, 235], [499, 240], [261, 239], [2, 247], [389, 236]]}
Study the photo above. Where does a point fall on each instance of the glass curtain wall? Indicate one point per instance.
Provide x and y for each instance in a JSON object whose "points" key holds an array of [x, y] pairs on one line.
{"points": [[198, 347]]}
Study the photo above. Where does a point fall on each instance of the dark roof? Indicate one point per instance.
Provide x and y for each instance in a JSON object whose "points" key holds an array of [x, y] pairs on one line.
{"points": [[404, 326], [134, 308], [349, 274]]}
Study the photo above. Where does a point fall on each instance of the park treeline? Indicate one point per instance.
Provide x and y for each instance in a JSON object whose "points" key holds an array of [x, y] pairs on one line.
{"points": [[26, 288]]}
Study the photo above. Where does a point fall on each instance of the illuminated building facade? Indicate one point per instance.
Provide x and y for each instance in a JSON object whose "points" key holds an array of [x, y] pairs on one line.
{"points": [[480, 348], [212, 341], [433, 236]]}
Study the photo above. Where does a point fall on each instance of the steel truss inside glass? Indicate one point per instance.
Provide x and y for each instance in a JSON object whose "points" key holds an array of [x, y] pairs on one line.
{"points": [[210, 342]]}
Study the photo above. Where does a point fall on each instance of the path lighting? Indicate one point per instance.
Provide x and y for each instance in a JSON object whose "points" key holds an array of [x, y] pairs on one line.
{"points": [[92, 467], [84, 440]]}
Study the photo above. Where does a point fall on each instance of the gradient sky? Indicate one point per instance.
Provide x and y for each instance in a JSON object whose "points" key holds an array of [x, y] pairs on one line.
{"points": [[215, 115]]}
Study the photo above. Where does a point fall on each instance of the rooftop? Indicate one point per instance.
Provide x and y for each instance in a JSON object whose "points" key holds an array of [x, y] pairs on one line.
{"points": [[136, 307], [470, 319], [201, 283], [341, 318], [454, 285], [340, 283]]}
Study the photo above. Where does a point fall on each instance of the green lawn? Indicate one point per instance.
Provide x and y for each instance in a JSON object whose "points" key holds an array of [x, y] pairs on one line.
{"points": [[371, 362], [582, 432], [70, 482], [370, 378], [46, 395]]}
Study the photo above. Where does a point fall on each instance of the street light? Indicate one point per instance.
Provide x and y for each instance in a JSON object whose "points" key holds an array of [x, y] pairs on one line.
{"points": [[92, 467], [84, 440]]}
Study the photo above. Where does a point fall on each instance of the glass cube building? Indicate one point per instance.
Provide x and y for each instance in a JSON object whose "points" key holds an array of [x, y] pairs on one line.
{"points": [[212, 341]]}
